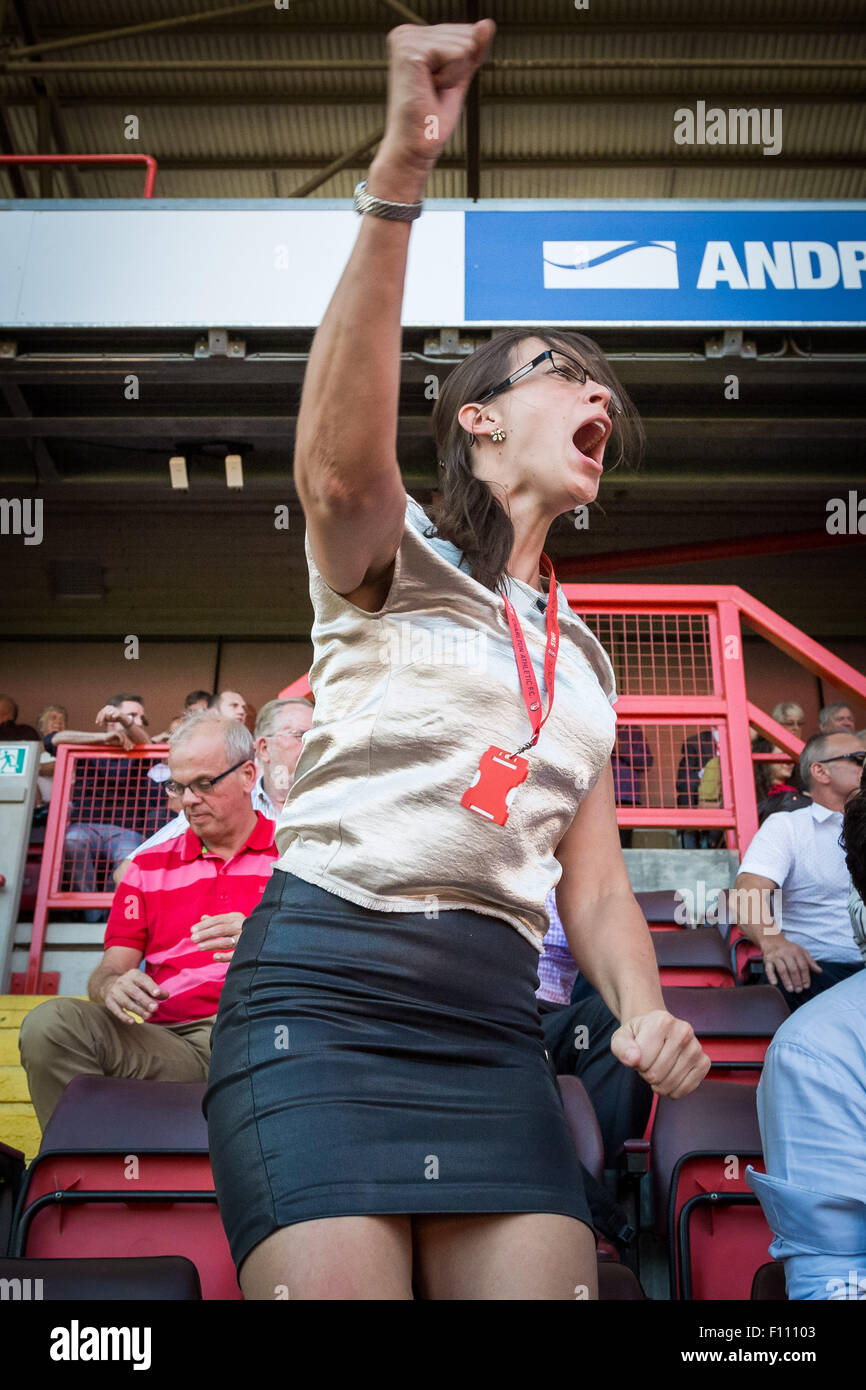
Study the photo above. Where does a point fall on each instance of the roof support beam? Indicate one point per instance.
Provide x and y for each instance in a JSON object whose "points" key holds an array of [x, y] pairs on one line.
{"points": [[248, 163], [646, 63], [209, 425], [51, 126], [853, 96], [110, 35]]}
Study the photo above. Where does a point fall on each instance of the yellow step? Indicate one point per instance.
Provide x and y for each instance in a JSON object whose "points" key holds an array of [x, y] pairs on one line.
{"points": [[13, 1085], [9, 1054], [13, 1007], [19, 1127]]}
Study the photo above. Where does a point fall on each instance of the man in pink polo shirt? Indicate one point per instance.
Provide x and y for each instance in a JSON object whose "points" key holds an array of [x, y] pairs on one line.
{"points": [[179, 909]]}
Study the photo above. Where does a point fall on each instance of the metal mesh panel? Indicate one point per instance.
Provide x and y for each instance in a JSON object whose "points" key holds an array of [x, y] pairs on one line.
{"points": [[659, 765], [657, 653], [114, 805]]}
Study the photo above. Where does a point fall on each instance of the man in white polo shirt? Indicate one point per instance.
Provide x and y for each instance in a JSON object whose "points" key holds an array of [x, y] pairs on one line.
{"points": [[808, 946]]}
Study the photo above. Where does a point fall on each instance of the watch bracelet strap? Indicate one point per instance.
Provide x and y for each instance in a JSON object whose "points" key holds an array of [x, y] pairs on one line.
{"points": [[379, 207]]}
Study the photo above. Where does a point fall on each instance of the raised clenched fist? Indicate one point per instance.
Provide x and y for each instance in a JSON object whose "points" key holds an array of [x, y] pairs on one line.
{"points": [[430, 71]]}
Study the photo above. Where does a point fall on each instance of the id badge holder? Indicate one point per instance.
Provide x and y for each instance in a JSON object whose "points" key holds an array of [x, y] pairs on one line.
{"points": [[499, 775]]}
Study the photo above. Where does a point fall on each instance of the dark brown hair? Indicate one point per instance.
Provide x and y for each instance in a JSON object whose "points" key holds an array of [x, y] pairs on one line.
{"points": [[468, 513]]}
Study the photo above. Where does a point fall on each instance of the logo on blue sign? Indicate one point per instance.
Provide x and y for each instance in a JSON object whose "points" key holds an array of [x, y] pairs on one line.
{"points": [[625, 265], [777, 266]]}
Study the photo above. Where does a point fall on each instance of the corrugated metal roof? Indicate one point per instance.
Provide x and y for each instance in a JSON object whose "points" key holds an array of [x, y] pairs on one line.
{"points": [[537, 115]]}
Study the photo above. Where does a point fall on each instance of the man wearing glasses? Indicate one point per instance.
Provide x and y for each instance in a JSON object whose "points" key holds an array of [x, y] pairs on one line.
{"points": [[278, 736], [178, 913], [809, 945]]}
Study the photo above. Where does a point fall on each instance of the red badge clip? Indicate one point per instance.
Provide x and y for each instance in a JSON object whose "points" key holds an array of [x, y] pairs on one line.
{"points": [[498, 776]]}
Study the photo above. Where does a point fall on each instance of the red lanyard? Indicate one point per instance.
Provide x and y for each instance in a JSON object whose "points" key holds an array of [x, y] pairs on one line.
{"points": [[528, 683]]}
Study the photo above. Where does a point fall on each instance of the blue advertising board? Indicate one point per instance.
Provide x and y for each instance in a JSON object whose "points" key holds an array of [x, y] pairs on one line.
{"points": [[668, 264]]}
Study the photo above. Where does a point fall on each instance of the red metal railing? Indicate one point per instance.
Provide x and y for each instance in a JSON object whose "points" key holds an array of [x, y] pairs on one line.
{"points": [[146, 159], [86, 793], [677, 650]]}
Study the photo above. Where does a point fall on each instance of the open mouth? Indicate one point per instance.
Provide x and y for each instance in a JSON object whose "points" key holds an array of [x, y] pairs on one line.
{"points": [[591, 438]]}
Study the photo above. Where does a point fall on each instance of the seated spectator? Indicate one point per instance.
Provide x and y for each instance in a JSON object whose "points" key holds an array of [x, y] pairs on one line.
{"points": [[776, 786], [836, 718], [50, 720], [124, 722], [812, 1114], [279, 734], [811, 947], [577, 1039], [279, 731], [229, 704], [695, 753], [197, 699], [791, 716], [631, 758], [180, 910], [10, 730]]}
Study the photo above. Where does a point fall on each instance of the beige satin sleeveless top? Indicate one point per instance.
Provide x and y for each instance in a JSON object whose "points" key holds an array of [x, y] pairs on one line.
{"points": [[407, 700]]}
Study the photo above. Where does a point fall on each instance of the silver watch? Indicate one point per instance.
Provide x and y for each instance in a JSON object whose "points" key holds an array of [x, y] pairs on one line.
{"points": [[395, 212]]}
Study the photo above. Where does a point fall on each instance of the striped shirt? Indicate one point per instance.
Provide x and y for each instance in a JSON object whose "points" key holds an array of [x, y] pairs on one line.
{"points": [[557, 970], [165, 892]]}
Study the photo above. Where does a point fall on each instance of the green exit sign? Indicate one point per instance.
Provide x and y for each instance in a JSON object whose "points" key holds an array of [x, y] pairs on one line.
{"points": [[12, 756]]}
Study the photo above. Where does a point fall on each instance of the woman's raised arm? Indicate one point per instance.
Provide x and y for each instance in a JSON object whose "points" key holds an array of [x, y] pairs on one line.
{"points": [[345, 467]]}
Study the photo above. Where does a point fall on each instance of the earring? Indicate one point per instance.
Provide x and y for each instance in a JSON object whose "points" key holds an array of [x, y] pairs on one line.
{"points": [[497, 435]]}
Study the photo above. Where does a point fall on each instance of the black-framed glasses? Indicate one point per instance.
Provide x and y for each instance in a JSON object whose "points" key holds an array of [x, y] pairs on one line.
{"points": [[857, 758], [562, 364], [201, 785]]}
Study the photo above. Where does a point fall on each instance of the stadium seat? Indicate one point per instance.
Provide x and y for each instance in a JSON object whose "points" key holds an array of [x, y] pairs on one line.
{"points": [[741, 950], [588, 1142], [168, 1278], [11, 1174], [617, 1282], [123, 1170], [583, 1124], [768, 1284], [717, 1233], [735, 1026], [664, 910], [696, 957]]}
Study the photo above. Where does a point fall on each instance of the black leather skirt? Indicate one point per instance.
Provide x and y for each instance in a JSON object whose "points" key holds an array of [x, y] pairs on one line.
{"points": [[368, 1063]]}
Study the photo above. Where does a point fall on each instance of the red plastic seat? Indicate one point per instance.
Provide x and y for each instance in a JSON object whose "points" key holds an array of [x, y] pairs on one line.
{"points": [[695, 957], [123, 1170], [717, 1233], [735, 1026], [742, 951]]}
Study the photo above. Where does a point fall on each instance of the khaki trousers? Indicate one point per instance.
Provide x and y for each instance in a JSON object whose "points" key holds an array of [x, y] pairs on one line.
{"points": [[64, 1037]]}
